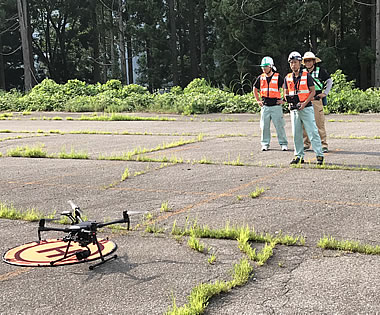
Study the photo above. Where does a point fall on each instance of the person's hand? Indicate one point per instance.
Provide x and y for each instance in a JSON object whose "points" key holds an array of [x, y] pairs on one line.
{"points": [[260, 103], [302, 105], [280, 102], [322, 95]]}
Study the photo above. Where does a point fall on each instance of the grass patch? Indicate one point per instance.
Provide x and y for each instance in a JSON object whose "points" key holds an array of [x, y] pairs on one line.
{"points": [[30, 152], [120, 117], [233, 233], [125, 174], [165, 206], [211, 260], [72, 155], [259, 191], [11, 213], [195, 244], [202, 293], [236, 162], [328, 242]]}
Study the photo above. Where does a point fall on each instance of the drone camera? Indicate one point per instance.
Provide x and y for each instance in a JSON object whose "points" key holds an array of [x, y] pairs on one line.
{"points": [[83, 254]]}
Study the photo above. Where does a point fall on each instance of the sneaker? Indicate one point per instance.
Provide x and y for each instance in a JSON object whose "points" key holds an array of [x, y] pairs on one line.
{"points": [[284, 148], [264, 148], [320, 160], [325, 150], [297, 160], [306, 147]]}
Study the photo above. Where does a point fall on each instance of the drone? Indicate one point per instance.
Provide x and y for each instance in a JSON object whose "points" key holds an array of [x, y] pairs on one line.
{"points": [[81, 232]]}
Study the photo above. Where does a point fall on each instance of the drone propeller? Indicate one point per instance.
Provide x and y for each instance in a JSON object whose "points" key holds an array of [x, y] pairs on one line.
{"points": [[137, 212], [77, 212]]}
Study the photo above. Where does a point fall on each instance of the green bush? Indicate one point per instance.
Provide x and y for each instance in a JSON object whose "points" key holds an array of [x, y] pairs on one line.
{"points": [[199, 97], [345, 98]]}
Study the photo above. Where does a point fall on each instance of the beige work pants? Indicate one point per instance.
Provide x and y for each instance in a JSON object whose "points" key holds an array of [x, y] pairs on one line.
{"points": [[320, 121]]}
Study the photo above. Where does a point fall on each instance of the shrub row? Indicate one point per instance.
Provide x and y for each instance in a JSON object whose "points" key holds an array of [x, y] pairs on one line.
{"points": [[197, 98]]}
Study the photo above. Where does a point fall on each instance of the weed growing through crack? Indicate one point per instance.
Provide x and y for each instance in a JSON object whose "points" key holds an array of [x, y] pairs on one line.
{"points": [[120, 117], [195, 244], [125, 174], [262, 256], [165, 206], [211, 260], [257, 192], [233, 233], [351, 246], [153, 228], [11, 213], [236, 162], [31, 152], [202, 293], [72, 154]]}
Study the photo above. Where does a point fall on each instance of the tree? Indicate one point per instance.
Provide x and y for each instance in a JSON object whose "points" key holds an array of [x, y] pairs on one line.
{"points": [[26, 43], [377, 65]]}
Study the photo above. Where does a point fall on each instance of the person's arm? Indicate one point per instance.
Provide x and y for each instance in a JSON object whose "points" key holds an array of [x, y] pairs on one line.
{"points": [[280, 85], [325, 77], [329, 84], [257, 96]]}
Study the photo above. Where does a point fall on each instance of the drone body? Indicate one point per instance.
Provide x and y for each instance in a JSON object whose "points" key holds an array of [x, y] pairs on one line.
{"points": [[81, 239]]}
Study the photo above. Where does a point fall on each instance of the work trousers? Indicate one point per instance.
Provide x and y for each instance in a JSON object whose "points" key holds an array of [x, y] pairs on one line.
{"points": [[306, 118], [275, 114], [320, 121]]}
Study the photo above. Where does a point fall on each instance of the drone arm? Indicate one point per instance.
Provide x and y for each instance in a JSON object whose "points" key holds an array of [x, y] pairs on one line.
{"points": [[42, 227], [125, 219]]}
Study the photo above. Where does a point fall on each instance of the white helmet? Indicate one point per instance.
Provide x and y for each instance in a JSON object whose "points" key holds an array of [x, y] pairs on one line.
{"points": [[267, 61], [294, 55], [310, 55]]}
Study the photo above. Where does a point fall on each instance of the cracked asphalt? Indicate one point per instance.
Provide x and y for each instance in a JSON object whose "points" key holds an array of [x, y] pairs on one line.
{"points": [[211, 185]]}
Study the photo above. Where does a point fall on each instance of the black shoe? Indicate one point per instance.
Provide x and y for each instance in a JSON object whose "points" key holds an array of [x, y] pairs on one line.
{"points": [[325, 150], [320, 160], [297, 160]]}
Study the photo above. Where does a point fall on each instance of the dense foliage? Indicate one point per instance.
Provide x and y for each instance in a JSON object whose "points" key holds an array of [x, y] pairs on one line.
{"points": [[170, 43], [198, 97]]}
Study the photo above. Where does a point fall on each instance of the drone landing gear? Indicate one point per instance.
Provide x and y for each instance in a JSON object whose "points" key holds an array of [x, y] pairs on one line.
{"points": [[83, 254], [101, 257]]}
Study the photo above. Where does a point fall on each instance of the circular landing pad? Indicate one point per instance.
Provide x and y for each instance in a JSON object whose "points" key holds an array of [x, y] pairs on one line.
{"points": [[40, 254]]}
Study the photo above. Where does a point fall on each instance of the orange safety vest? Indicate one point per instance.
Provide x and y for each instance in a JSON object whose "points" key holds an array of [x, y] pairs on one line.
{"points": [[302, 89], [272, 90]]}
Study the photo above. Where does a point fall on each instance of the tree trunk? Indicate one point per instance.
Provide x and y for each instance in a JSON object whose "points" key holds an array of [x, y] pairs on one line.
{"points": [[2, 70], [95, 45], [192, 42], [149, 67], [122, 44], [173, 41], [130, 56], [104, 44], [377, 65], [373, 40], [363, 44], [115, 69], [202, 38], [26, 43], [182, 80]]}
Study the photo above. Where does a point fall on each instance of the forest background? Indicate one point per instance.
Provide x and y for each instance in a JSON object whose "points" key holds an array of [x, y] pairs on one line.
{"points": [[92, 51]]}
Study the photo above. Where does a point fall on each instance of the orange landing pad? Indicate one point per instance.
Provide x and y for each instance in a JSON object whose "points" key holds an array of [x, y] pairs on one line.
{"points": [[40, 254]]}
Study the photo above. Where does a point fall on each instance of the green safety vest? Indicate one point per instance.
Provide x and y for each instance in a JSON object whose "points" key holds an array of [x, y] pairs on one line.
{"points": [[317, 81]]}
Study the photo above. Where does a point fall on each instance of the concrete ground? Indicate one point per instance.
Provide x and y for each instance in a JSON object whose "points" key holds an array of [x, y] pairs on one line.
{"points": [[209, 179]]}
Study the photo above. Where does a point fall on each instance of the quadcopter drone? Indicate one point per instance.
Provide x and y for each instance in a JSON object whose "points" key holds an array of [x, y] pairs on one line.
{"points": [[81, 232]]}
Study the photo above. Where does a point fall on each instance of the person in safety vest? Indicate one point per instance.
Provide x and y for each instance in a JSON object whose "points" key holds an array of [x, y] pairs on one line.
{"points": [[299, 91], [323, 84], [270, 101]]}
